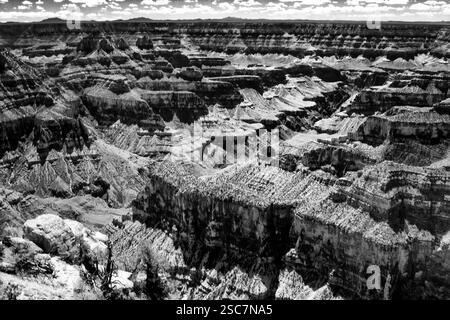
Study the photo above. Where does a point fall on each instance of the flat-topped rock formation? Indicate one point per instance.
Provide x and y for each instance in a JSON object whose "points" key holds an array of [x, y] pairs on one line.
{"points": [[412, 123]]}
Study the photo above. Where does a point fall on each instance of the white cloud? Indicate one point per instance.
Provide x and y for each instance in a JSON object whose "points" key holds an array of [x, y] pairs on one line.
{"points": [[254, 9], [226, 6], [155, 2], [386, 2], [436, 3], [247, 3], [308, 2], [420, 7], [89, 3]]}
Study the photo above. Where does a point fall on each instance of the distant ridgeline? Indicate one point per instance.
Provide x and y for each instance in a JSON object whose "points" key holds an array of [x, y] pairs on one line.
{"points": [[299, 38]]}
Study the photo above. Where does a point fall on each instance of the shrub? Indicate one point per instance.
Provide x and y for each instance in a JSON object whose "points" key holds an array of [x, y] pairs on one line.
{"points": [[10, 292], [154, 287]]}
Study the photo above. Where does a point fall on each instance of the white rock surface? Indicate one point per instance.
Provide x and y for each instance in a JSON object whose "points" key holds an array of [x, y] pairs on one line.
{"points": [[64, 237], [51, 233]]}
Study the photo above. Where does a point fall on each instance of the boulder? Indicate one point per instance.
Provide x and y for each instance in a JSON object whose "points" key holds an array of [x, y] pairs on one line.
{"points": [[121, 280], [66, 238], [52, 234], [93, 245], [21, 245]]}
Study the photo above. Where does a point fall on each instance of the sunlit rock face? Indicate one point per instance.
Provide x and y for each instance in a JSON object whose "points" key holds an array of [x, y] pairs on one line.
{"points": [[255, 160]]}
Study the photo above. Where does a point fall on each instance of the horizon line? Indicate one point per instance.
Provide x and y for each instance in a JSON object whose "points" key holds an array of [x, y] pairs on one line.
{"points": [[237, 19]]}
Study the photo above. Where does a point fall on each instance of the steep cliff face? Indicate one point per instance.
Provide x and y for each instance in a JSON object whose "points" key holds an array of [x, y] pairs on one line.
{"points": [[109, 107], [210, 91], [31, 107], [224, 281], [339, 243], [185, 104], [382, 99], [418, 125], [329, 230], [397, 193], [206, 219]]}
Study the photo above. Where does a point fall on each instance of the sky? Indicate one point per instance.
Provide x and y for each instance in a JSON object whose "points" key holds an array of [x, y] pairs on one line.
{"points": [[373, 10]]}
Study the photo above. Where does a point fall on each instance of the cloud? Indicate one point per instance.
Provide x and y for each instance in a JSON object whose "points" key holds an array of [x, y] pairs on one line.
{"points": [[308, 2], [89, 3], [408, 10], [386, 2], [247, 3], [155, 2]]}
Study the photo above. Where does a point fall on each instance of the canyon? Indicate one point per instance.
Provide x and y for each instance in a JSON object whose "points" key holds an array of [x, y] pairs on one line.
{"points": [[255, 160]]}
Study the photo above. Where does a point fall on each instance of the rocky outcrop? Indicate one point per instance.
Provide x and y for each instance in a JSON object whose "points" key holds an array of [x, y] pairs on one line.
{"points": [[292, 287], [30, 107], [66, 238], [191, 74], [122, 44], [244, 81], [420, 125], [185, 104], [396, 193], [324, 225], [87, 44], [129, 107], [144, 43], [382, 99], [102, 171], [254, 227], [52, 234], [219, 282], [443, 107], [211, 92]]}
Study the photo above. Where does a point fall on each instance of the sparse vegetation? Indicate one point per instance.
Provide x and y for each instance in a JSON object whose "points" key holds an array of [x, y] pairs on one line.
{"points": [[154, 287], [101, 276], [10, 292], [28, 263]]}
